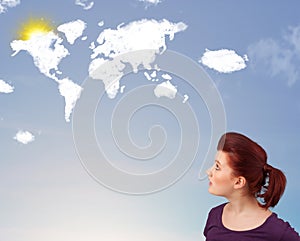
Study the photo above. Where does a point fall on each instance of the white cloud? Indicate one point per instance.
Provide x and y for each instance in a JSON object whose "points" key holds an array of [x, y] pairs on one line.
{"points": [[165, 89], [4, 4], [150, 2], [154, 76], [277, 57], [101, 23], [166, 76], [46, 51], [5, 88], [72, 30], [86, 4], [24, 137], [137, 35], [71, 92], [223, 60], [147, 75], [185, 98]]}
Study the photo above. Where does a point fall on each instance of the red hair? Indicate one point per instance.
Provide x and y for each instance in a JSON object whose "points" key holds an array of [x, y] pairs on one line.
{"points": [[248, 159]]}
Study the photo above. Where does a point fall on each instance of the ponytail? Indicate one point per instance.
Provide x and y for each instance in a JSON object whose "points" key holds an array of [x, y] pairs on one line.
{"points": [[273, 186]]}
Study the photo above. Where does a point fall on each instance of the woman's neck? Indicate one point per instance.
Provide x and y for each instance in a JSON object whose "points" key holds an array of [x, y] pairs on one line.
{"points": [[243, 204]]}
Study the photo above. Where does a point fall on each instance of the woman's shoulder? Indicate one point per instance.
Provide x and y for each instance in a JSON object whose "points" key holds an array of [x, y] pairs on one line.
{"points": [[278, 222], [214, 215], [281, 228], [217, 209]]}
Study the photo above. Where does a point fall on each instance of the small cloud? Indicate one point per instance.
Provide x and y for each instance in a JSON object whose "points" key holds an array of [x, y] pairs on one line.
{"points": [[166, 76], [92, 45], [150, 2], [24, 137], [122, 89], [223, 60], [165, 89], [278, 58], [4, 4], [147, 75], [5, 88], [153, 74], [86, 4], [101, 23], [72, 30], [185, 98]]}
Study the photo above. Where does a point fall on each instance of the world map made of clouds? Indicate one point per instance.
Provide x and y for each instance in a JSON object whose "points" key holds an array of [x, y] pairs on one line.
{"points": [[48, 50]]}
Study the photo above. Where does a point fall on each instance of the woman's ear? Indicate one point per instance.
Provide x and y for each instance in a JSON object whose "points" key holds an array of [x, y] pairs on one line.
{"points": [[240, 182]]}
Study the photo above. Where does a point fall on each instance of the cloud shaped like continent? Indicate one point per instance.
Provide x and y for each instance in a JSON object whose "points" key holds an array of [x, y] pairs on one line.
{"points": [[71, 92], [46, 51], [138, 35], [165, 89], [72, 30]]}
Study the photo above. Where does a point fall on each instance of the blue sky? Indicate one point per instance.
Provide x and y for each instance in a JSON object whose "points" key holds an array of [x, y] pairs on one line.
{"points": [[45, 191]]}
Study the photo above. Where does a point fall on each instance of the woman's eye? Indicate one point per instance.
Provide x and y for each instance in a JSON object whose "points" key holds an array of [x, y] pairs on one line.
{"points": [[217, 167]]}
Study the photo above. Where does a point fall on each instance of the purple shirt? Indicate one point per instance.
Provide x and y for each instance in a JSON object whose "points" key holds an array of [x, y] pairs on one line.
{"points": [[273, 229]]}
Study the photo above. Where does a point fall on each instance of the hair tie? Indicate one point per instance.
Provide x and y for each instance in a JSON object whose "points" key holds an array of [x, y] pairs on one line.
{"points": [[267, 168]]}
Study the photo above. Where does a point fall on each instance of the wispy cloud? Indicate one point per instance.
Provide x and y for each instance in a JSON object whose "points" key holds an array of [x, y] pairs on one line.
{"points": [[24, 137], [278, 57], [223, 60], [150, 2], [5, 88], [86, 4], [4, 4]]}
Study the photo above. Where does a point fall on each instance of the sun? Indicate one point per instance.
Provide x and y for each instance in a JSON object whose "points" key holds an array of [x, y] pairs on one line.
{"points": [[34, 27]]}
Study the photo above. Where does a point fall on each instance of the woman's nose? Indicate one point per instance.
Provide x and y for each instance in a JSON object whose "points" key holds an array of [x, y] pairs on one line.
{"points": [[208, 172]]}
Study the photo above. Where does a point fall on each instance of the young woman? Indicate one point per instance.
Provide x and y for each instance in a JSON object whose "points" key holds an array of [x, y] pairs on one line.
{"points": [[242, 175]]}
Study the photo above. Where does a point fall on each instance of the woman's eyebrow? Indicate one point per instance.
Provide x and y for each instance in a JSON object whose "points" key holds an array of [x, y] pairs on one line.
{"points": [[218, 162]]}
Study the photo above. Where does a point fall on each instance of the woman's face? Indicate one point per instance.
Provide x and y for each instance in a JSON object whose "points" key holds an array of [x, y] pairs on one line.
{"points": [[221, 180]]}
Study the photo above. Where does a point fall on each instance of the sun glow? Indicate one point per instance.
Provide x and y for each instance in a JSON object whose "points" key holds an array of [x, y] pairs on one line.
{"points": [[34, 27]]}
